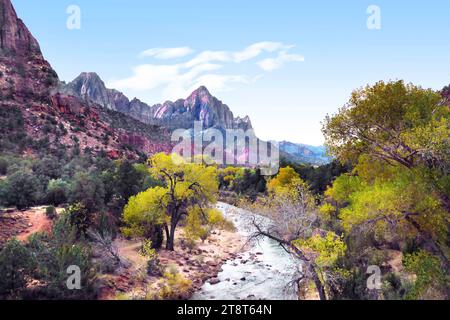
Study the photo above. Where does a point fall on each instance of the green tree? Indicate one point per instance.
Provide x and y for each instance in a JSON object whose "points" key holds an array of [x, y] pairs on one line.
{"points": [[57, 192], [188, 187], [88, 189], [284, 181], [397, 137], [48, 167], [80, 218], [128, 181], [393, 122], [22, 189]]}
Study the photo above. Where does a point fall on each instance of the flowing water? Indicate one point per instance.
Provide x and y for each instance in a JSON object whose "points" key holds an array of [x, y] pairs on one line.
{"points": [[262, 271]]}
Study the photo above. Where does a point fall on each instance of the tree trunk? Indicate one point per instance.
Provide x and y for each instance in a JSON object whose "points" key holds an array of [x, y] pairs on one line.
{"points": [[155, 234], [166, 229], [171, 237], [319, 286], [169, 243]]}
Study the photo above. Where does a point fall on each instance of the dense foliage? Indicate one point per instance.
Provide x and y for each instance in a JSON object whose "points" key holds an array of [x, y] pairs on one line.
{"points": [[44, 261], [396, 197], [97, 182], [188, 191]]}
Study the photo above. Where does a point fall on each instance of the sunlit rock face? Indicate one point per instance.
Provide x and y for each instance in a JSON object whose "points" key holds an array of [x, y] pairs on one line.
{"points": [[199, 106]]}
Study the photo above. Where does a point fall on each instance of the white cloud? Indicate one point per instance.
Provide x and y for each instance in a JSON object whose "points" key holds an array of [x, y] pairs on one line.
{"points": [[180, 79], [167, 53], [256, 49], [209, 56], [147, 77], [271, 64], [219, 83], [248, 53]]}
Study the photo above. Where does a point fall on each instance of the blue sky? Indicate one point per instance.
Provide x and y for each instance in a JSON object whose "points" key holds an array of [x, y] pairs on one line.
{"points": [[284, 63]]}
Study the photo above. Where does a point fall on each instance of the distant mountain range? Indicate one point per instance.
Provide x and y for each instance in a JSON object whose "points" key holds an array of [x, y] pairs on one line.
{"points": [[199, 106], [302, 153]]}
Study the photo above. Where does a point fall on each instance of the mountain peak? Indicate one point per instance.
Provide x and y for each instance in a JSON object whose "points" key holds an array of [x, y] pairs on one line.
{"points": [[15, 38], [201, 91], [89, 77]]}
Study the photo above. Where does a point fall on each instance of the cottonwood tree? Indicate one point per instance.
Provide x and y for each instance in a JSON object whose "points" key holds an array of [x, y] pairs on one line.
{"points": [[396, 123], [188, 188], [398, 137]]}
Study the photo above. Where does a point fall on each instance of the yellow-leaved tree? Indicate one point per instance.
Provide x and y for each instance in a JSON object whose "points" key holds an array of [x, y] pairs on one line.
{"points": [[397, 137], [189, 188]]}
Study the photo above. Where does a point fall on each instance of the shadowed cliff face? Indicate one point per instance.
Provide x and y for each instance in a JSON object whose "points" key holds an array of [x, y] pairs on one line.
{"points": [[446, 93], [25, 74], [15, 37]]}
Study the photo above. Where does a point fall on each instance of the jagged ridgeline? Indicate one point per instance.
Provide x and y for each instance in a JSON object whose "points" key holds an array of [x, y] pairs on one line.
{"points": [[199, 106]]}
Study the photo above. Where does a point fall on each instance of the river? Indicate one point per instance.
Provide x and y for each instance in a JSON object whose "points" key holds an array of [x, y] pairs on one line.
{"points": [[263, 271]]}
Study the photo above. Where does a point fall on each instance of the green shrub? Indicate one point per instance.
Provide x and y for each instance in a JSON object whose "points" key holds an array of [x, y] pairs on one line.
{"points": [[430, 277], [57, 192], [16, 264], [80, 218], [22, 189], [154, 267], [174, 287], [50, 212], [54, 255]]}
